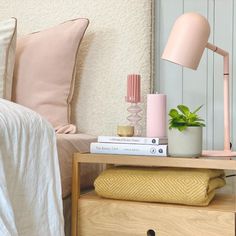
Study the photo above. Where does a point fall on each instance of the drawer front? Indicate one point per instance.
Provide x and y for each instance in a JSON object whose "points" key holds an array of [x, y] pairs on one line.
{"points": [[123, 218]]}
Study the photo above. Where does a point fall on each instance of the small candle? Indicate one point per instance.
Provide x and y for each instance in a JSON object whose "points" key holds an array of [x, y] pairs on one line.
{"points": [[133, 88]]}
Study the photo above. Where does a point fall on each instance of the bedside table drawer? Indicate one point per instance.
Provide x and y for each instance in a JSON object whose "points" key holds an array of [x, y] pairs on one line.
{"points": [[104, 217]]}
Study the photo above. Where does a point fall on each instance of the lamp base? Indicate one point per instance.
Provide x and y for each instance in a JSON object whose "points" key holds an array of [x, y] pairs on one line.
{"points": [[219, 153]]}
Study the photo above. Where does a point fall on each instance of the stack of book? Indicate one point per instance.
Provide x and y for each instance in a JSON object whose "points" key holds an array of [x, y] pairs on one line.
{"points": [[130, 146]]}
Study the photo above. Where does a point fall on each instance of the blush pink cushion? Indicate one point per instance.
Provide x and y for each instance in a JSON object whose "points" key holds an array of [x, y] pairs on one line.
{"points": [[44, 72]]}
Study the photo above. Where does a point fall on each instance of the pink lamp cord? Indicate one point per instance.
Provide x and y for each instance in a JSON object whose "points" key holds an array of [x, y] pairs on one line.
{"points": [[134, 97]]}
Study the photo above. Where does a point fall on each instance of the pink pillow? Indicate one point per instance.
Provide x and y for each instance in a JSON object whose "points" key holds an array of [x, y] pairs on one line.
{"points": [[44, 73]]}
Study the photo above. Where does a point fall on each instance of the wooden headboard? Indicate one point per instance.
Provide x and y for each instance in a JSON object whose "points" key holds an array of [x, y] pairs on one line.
{"points": [[117, 42]]}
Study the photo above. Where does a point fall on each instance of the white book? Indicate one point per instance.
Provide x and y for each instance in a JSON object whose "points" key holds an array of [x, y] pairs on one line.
{"points": [[133, 140], [128, 149]]}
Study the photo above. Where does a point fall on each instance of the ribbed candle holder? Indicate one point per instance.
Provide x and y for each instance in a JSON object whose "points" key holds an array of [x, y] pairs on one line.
{"points": [[133, 97]]}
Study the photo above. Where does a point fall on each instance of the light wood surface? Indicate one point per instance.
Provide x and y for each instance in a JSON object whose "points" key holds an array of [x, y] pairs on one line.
{"points": [[99, 217], [221, 202], [92, 215], [216, 163], [75, 196]]}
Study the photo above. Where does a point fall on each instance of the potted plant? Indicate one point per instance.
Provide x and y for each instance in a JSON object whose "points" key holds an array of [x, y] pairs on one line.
{"points": [[185, 132]]}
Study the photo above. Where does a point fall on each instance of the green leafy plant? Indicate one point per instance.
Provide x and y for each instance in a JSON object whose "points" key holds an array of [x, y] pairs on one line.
{"points": [[184, 118]]}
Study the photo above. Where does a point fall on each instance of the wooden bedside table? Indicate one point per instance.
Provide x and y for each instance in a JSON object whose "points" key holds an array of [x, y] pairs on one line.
{"points": [[96, 216]]}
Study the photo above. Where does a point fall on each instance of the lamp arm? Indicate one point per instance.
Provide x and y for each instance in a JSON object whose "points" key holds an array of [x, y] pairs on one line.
{"points": [[226, 94], [216, 49]]}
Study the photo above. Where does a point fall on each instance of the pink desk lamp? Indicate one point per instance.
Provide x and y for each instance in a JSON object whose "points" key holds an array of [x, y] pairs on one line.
{"points": [[185, 46]]}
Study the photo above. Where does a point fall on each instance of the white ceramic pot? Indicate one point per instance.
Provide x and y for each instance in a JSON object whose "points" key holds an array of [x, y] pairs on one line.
{"points": [[187, 143]]}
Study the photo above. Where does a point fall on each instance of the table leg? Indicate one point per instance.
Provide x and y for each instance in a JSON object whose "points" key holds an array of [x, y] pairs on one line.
{"points": [[75, 196]]}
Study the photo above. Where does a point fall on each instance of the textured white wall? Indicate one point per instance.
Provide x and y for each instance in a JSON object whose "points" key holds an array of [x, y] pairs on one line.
{"points": [[204, 86], [117, 42]]}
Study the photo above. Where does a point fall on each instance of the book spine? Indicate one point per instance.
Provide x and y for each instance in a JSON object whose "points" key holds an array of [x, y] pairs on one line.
{"points": [[128, 140], [128, 149]]}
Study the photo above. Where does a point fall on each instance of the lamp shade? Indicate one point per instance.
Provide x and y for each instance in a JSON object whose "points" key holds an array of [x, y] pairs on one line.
{"points": [[187, 40]]}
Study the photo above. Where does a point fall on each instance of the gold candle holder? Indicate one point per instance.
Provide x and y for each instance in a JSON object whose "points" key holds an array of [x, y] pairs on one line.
{"points": [[125, 130]]}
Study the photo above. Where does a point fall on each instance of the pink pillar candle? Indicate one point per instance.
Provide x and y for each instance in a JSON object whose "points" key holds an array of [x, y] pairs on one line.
{"points": [[156, 115], [133, 88]]}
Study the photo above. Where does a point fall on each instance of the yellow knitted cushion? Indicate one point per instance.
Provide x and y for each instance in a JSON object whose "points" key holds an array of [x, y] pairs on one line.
{"points": [[169, 185]]}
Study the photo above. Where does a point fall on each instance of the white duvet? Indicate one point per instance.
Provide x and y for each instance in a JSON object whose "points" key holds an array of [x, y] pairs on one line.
{"points": [[30, 188]]}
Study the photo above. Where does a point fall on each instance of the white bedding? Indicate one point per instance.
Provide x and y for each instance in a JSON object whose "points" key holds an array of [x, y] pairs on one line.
{"points": [[30, 188]]}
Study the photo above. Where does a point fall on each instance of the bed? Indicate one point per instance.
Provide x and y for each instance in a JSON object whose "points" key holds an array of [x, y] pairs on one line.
{"points": [[117, 42], [30, 204]]}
